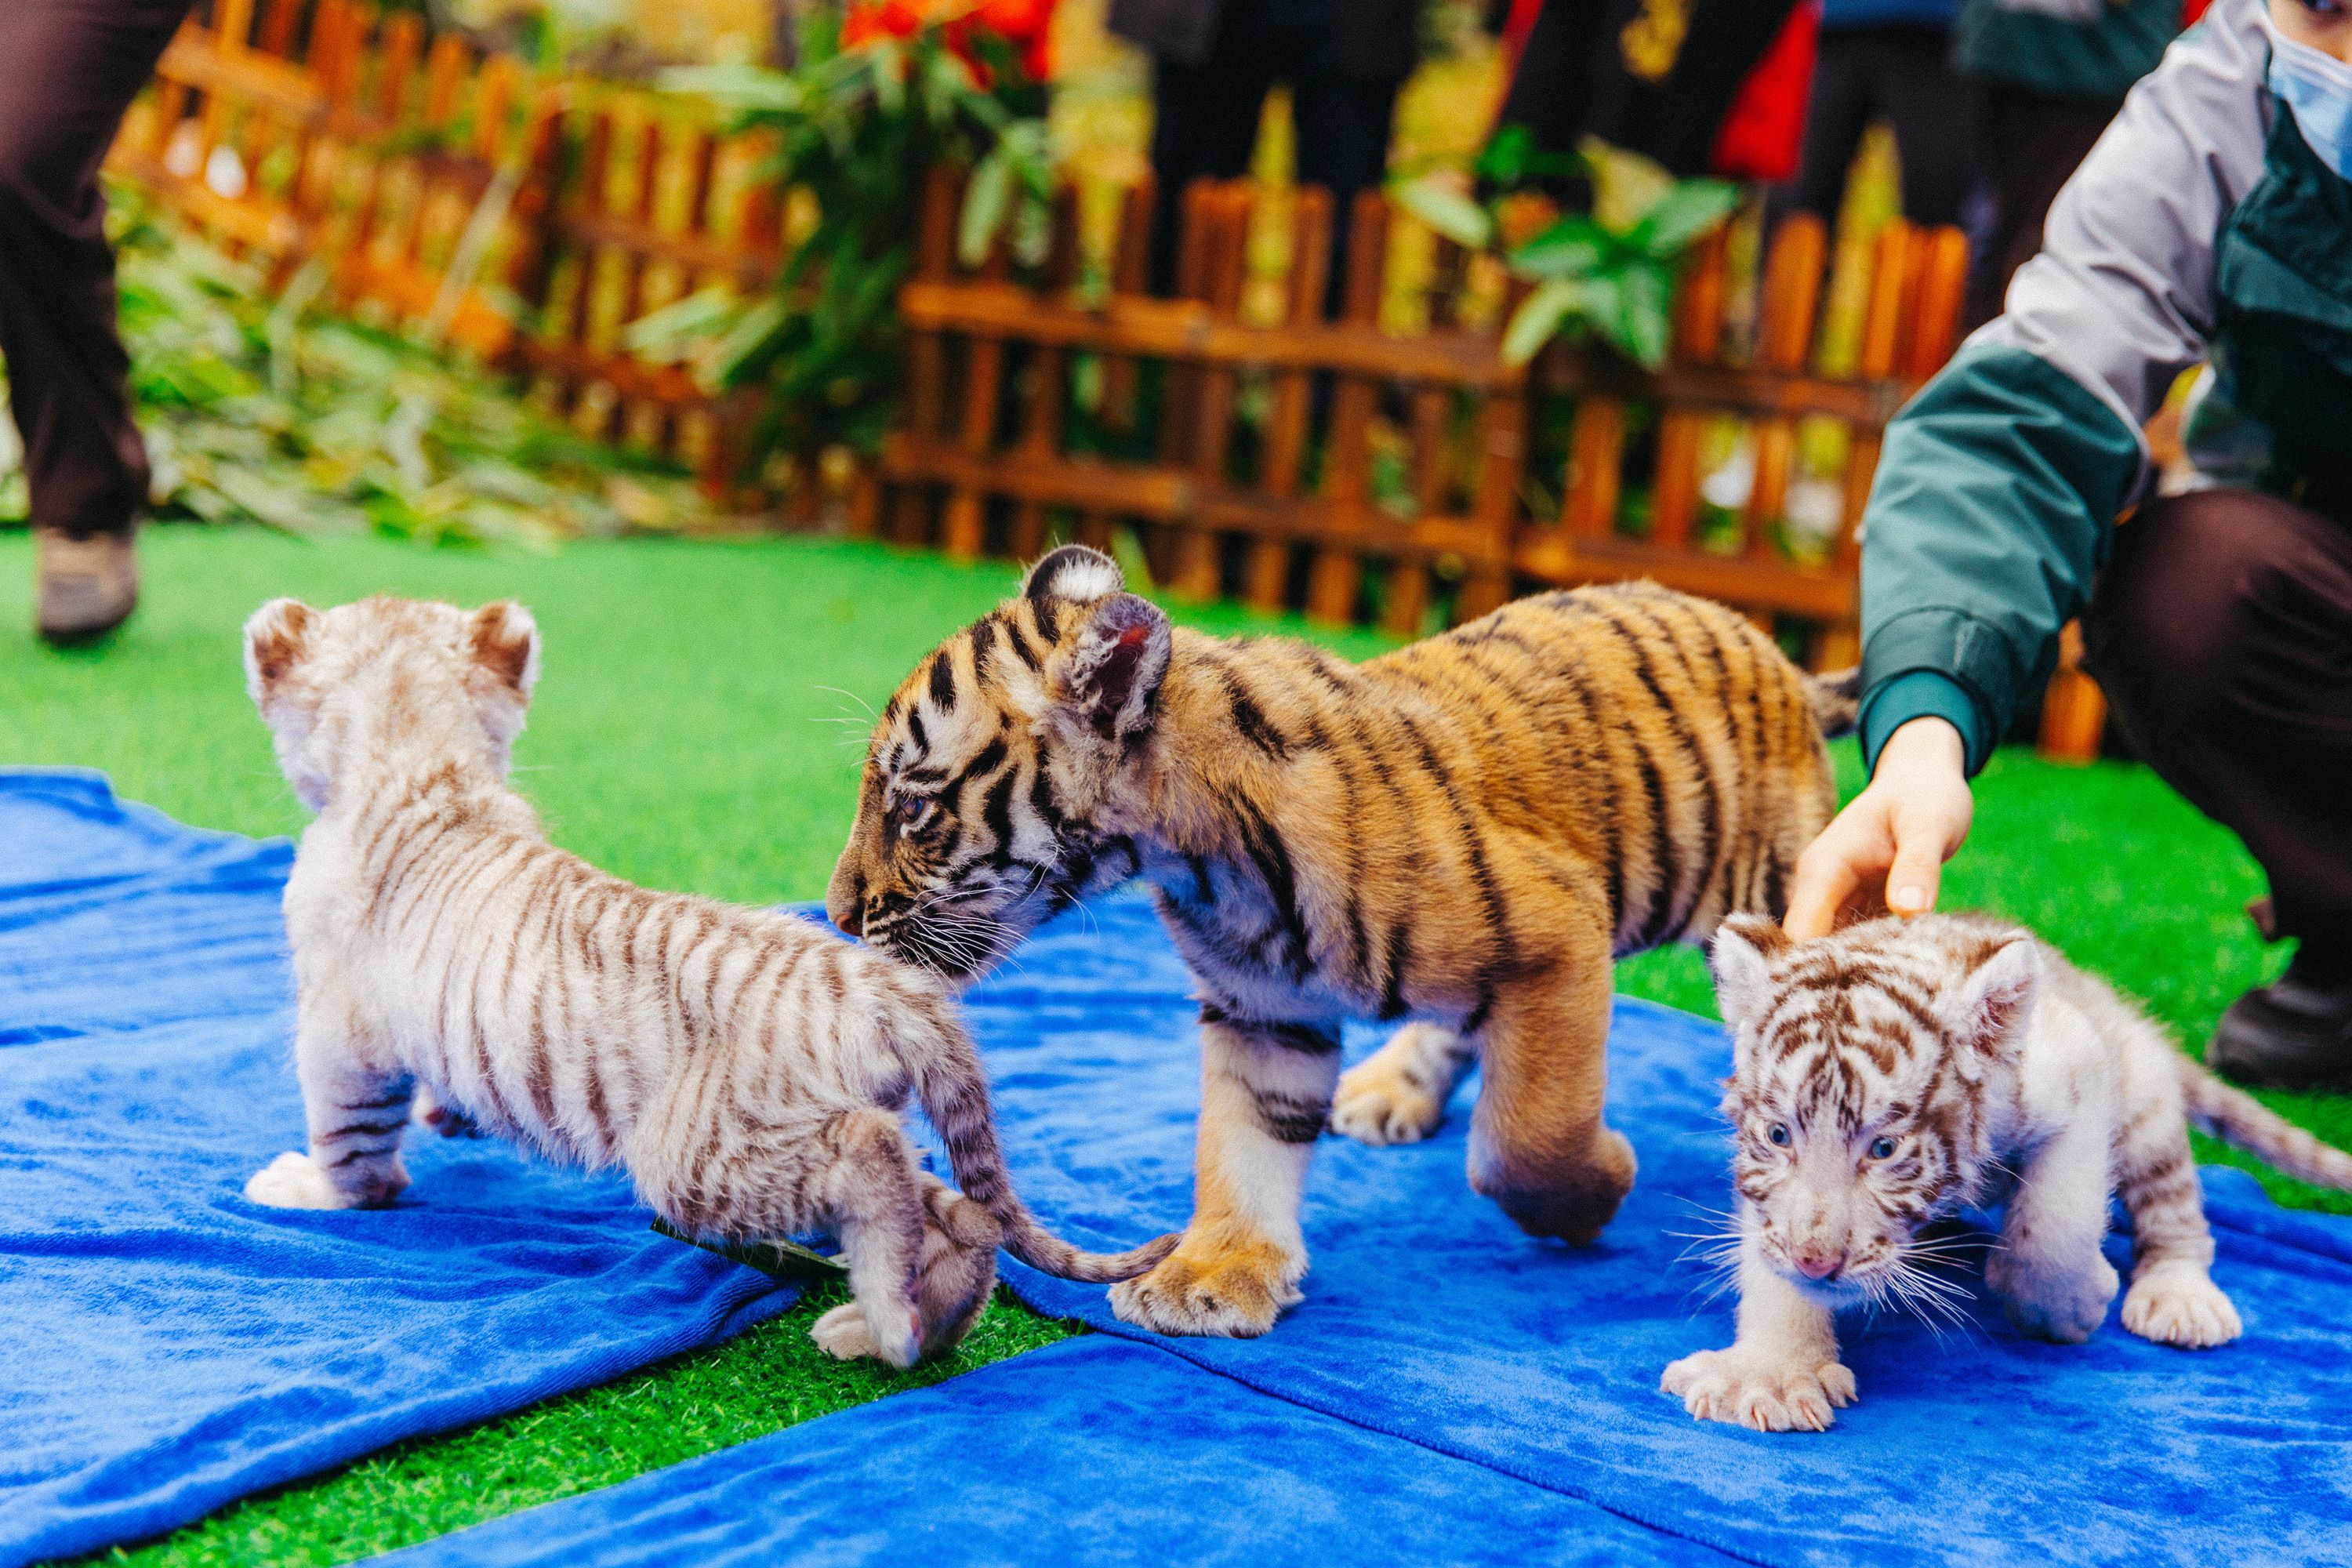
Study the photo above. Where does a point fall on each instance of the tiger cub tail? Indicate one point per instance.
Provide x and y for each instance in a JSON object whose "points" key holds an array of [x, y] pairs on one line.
{"points": [[2237, 1118], [1836, 701], [953, 1089]]}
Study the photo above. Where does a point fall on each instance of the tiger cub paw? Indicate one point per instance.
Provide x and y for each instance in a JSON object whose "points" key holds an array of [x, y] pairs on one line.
{"points": [[2179, 1304], [1759, 1390], [2064, 1301], [1388, 1097], [847, 1335], [294, 1180], [842, 1333], [1228, 1292]]}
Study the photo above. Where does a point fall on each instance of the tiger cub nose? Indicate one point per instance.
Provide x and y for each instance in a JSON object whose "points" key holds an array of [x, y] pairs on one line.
{"points": [[848, 916], [1817, 1260]]}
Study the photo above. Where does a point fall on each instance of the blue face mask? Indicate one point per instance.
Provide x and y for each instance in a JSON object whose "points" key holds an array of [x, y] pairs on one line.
{"points": [[2318, 87]]}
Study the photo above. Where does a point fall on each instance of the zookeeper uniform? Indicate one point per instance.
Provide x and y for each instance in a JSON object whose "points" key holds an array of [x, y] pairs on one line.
{"points": [[2213, 221]]}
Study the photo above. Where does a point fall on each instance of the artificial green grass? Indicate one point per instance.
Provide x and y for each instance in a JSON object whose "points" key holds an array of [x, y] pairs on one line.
{"points": [[770, 1377], [696, 728]]}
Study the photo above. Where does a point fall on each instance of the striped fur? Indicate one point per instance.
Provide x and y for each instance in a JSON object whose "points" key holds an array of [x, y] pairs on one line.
{"points": [[1895, 1072], [1463, 833], [745, 1067]]}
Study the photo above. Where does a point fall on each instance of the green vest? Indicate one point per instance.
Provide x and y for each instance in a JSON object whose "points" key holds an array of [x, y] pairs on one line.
{"points": [[2283, 342]]}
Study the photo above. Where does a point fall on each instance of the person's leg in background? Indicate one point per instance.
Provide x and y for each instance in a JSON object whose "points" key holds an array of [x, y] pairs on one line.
{"points": [[73, 67], [2032, 143], [2221, 631], [1839, 110], [1205, 119], [1933, 113], [1341, 122]]}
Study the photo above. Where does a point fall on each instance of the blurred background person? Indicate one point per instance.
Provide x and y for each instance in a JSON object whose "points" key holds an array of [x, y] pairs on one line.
{"points": [[1214, 62], [1703, 86], [72, 67], [1888, 60], [2049, 75]]}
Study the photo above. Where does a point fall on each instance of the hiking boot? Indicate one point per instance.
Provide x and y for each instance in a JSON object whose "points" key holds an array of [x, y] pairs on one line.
{"points": [[2295, 1033], [88, 586]]}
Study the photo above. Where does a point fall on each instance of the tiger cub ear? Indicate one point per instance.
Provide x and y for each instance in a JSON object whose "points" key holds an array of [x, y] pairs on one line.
{"points": [[1111, 670], [1740, 956], [1073, 571], [1997, 997], [504, 640], [276, 638]]}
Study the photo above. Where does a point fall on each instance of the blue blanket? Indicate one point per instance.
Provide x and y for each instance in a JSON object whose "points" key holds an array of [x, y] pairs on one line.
{"points": [[169, 1346], [1452, 1390]]}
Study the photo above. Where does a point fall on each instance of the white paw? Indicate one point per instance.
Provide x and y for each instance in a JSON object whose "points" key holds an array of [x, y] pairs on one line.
{"points": [[849, 1332], [293, 1181], [1378, 1105], [1759, 1391], [2054, 1301], [843, 1334], [2179, 1304]]}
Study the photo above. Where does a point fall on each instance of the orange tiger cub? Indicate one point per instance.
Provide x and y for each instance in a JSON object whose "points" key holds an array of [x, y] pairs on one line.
{"points": [[1463, 833]]}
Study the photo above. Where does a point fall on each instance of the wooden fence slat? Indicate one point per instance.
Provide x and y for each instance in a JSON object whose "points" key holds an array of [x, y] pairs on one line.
{"points": [[1047, 379], [1224, 265], [1336, 575], [963, 524], [1697, 340], [1267, 577], [1791, 295]]}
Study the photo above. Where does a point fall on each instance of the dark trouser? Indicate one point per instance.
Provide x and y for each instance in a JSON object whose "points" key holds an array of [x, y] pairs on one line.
{"points": [[1205, 119], [2032, 144], [2221, 631], [1896, 72], [67, 71]]}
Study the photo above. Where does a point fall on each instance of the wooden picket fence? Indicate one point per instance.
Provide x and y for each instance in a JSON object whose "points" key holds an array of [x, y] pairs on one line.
{"points": [[1220, 493], [527, 221]]}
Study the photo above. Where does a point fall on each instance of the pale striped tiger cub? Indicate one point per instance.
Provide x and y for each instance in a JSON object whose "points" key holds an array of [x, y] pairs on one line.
{"points": [[746, 1068], [1895, 1072], [1464, 832]]}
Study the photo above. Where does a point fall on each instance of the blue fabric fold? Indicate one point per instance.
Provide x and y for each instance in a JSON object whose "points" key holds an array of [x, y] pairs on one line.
{"points": [[171, 1347], [1452, 1390]]}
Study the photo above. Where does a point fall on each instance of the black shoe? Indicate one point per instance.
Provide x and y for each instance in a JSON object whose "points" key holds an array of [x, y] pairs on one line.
{"points": [[2295, 1033]]}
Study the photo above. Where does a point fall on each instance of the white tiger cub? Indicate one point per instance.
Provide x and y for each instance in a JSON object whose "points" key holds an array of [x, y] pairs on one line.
{"points": [[746, 1068], [1898, 1070]]}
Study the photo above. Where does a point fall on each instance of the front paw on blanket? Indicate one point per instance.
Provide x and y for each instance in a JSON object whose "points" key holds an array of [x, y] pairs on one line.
{"points": [[1233, 1291], [295, 1181], [1766, 1393]]}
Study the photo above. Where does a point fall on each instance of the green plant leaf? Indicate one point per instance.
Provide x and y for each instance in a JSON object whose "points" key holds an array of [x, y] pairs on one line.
{"points": [[985, 202], [1539, 319], [1642, 319], [1683, 217], [1504, 160], [1446, 207], [1569, 248], [733, 354], [1625, 186]]}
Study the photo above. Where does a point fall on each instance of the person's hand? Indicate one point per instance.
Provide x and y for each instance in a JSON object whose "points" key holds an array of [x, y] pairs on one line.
{"points": [[1886, 849]]}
